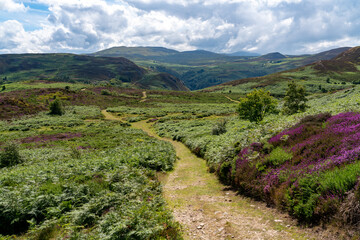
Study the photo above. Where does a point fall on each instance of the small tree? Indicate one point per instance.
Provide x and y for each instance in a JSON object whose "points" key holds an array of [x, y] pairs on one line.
{"points": [[56, 107], [3, 88], [256, 105], [295, 99]]}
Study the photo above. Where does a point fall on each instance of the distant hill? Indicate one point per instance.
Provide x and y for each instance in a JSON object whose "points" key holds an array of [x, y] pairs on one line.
{"points": [[165, 55], [327, 55], [243, 54], [340, 72], [272, 56], [200, 69], [85, 69], [134, 52]]}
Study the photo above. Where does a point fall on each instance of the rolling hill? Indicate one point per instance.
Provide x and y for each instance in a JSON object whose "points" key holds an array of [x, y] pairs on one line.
{"points": [[200, 69], [322, 76], [83, 69]]}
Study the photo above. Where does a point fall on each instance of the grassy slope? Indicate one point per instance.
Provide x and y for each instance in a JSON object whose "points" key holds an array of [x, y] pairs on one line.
{"points": [[82, 69], [326, 75], [31, 97]]}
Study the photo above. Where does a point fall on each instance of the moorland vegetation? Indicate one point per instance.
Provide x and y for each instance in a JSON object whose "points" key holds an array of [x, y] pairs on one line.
{"points": [[75, 175]]}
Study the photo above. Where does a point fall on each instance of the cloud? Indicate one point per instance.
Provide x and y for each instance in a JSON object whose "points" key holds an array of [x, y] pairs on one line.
{"points": [[289, 26], [11, 6]]}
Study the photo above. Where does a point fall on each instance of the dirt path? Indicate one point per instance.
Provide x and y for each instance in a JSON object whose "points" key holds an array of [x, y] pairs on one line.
{"points": [[143, 98], [232, 99], [109, 116], [207, 210]]}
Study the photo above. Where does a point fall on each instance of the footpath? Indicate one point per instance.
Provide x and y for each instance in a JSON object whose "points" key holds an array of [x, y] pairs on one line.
{"points": [[209, 210]]}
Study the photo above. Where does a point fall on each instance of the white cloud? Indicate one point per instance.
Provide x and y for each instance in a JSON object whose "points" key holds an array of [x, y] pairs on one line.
{"points": [[289, 26], [11, 6]]}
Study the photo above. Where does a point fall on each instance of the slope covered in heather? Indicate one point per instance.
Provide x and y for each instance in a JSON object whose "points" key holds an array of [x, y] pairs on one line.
{"points": [[83, 69]]}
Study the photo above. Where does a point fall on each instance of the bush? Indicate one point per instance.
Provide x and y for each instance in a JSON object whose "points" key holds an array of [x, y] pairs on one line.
{"points": [[10, 156], [256, 105], [56, 107], [219, 127], [278, 156], [105, 92]]}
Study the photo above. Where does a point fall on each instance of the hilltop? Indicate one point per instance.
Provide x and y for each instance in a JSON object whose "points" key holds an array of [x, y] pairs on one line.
{"points": [[340, 72], [83, 69], [200, 69]]}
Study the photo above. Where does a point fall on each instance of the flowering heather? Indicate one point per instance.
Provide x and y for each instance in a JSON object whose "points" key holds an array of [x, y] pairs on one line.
{"points": [[53, 137], [319, 145]]}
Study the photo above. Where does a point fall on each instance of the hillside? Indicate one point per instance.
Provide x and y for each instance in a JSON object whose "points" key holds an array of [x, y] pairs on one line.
{"points": [[133, 52], [322, 76], [70, 181], [200, 69], [82, 69], [272, 56]]}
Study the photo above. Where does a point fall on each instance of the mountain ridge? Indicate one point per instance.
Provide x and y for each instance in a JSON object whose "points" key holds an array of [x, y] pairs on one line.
{"points": [[200, 69], [340, 72], [85, 69]]}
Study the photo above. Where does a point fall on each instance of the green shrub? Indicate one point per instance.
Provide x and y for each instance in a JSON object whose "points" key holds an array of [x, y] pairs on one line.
{"points": [[56, 107], [278, 156], [105, 92], [219, 127], [10, 156]]}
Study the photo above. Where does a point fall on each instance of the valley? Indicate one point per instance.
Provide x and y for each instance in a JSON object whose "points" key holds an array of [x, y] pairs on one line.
{"points": [[146, 158]]}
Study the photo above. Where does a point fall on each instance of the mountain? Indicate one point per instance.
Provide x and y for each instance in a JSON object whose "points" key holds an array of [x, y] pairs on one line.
{"points": [[326, 55], [272, 56], [201, 69], [85, 69], [243, 54], [135, 52], [340, 72], [164, 55]]}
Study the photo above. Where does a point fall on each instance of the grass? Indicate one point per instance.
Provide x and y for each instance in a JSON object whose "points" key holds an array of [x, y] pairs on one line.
{"points": [[42, 84]]}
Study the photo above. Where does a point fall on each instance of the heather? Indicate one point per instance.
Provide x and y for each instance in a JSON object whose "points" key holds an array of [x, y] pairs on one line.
{"points": [[307, 179], [306, 163]]}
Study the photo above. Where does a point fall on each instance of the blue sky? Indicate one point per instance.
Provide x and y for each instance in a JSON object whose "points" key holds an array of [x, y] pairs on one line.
{"points": [[84, 26]]}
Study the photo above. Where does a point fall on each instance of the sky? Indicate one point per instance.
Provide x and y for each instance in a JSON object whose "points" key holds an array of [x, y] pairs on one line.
{"points": [[261, 26]]}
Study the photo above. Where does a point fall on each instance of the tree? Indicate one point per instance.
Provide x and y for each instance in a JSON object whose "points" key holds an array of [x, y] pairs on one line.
{"points": [[295, 99], [256, 105], [56, 107], [3, 88]]}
